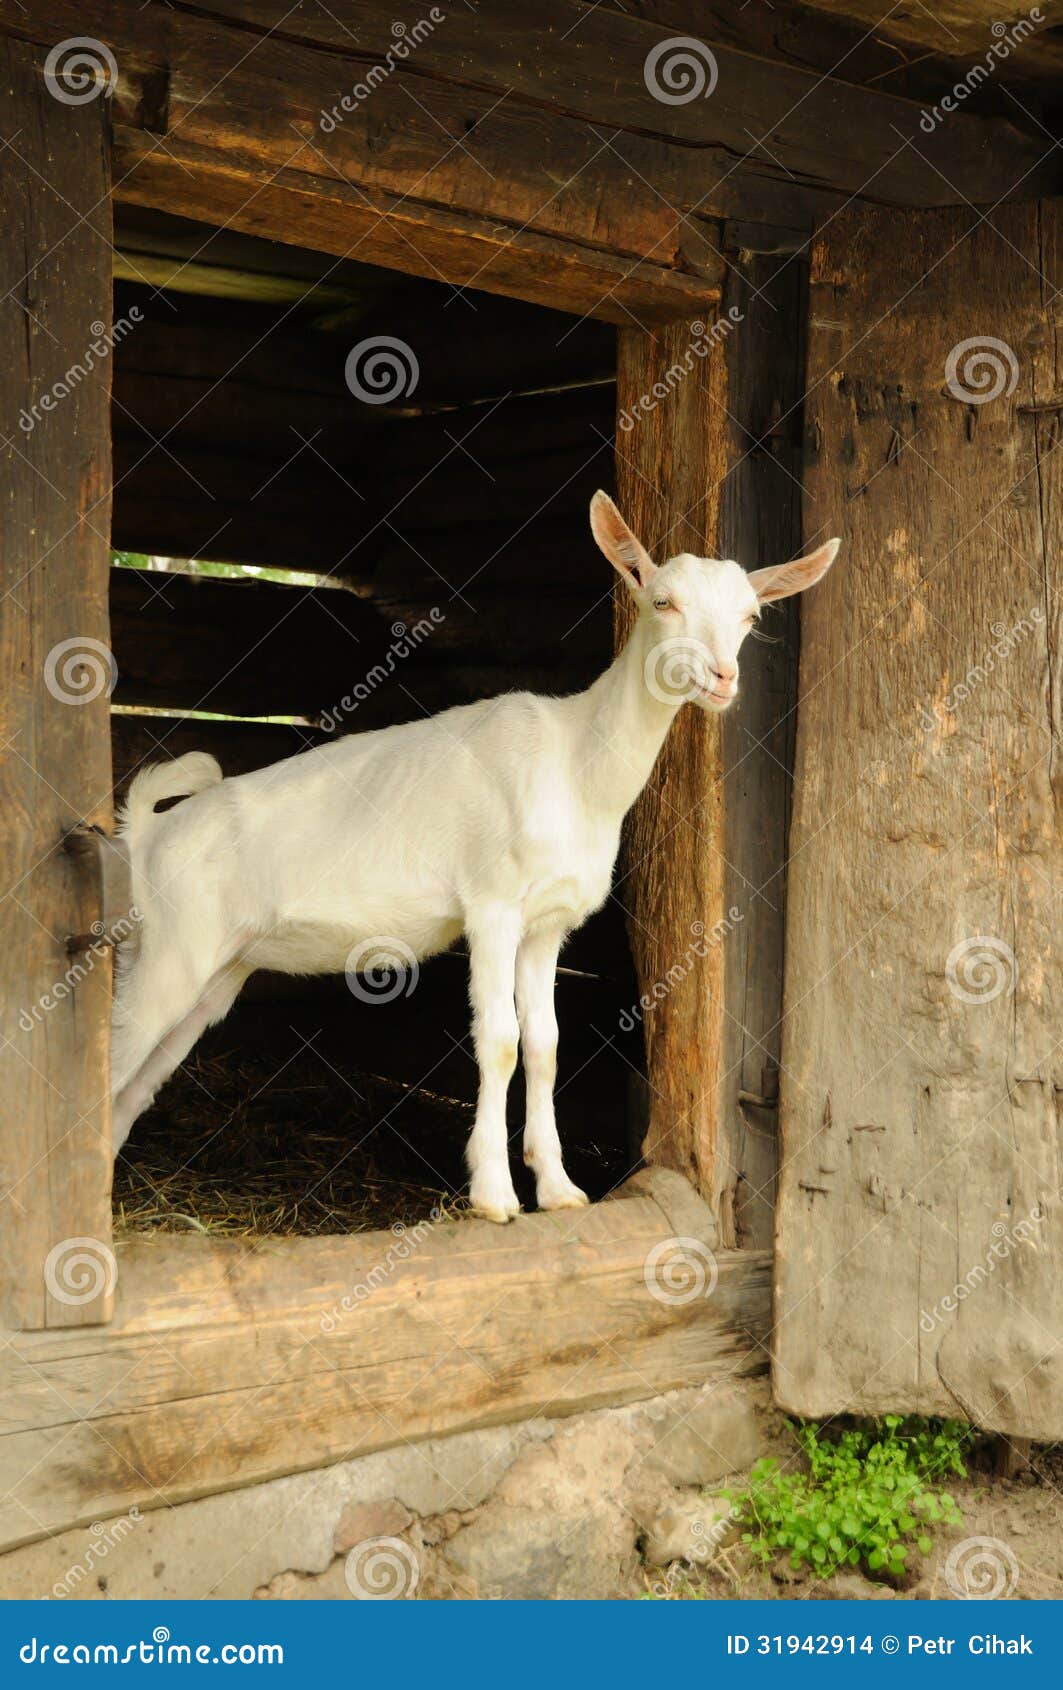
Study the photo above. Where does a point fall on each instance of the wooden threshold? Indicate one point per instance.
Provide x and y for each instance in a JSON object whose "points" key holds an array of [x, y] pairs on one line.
{"points": [[230, 1362]]}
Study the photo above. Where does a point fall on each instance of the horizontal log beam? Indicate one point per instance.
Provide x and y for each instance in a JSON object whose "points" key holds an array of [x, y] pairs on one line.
{"points": [[229, 1363], [524, 155], [463, 249]]}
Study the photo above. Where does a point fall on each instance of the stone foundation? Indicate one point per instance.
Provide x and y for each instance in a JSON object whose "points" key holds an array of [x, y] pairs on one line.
{"points": [[546, 1508]]}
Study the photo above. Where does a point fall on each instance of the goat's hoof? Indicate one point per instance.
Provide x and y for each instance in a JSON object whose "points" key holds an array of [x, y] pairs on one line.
{"points": [[492, 1204], [561, 1194]]}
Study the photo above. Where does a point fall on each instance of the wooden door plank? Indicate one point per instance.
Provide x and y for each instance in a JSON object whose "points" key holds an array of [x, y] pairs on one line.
{"points": [[55, 762], [920, 1232]]}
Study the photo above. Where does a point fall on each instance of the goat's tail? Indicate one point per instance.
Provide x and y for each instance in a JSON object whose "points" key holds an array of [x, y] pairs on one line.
{"points": [[180, 778]]}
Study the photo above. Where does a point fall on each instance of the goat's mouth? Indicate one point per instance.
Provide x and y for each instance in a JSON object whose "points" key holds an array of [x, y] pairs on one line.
{"points": [[713, 699]]}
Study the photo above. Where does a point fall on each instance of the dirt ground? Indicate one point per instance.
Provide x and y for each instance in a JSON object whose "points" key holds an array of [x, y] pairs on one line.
{"points": [[1010, 1546]]}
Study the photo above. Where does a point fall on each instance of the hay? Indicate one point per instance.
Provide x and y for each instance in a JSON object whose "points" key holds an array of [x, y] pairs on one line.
{"points": [[247, 1142]]}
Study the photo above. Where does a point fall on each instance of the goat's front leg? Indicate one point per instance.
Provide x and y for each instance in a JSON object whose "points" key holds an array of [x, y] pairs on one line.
{"points": [[493, 935], [536, 967]]}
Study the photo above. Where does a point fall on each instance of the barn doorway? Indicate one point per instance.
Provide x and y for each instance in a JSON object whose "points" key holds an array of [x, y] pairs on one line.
{"points": [[346, 498]]}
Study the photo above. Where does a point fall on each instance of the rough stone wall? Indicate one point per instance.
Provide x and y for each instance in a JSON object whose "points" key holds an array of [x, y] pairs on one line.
{"points": [[563, 1508]]}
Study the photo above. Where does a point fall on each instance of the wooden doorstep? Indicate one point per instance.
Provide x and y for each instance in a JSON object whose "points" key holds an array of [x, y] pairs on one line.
{"points": [[230, 1362]]}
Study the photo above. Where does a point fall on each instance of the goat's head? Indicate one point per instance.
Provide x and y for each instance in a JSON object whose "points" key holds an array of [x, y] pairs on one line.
{"points": [[697, 610]]}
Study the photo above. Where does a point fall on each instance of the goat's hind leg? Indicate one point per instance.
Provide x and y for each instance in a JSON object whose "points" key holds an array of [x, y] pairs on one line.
{"points": [[153, 1034], [493, 935]]}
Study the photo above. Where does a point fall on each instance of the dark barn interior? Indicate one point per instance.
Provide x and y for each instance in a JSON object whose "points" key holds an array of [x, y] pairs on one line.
{"points": [[440, 525]]}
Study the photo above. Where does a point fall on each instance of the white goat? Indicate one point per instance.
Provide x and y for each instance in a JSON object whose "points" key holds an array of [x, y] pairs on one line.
{"points": [[498, 820]]}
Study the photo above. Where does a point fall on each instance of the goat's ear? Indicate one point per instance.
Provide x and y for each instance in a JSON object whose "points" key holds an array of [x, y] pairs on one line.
{"points": [[627, 555], [787, 578]]}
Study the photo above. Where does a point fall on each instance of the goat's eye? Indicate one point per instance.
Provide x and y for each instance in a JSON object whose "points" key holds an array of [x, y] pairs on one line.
{"points": [[662, 604]]}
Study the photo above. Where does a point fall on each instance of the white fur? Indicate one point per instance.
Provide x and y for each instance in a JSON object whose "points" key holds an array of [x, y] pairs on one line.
{"points": [[498, 820]]}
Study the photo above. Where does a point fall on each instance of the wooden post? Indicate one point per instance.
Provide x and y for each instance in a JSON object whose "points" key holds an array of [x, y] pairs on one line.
{"points": [[713, 468], [55, 678], [920, 1237], [670, 464], [760, 524]]}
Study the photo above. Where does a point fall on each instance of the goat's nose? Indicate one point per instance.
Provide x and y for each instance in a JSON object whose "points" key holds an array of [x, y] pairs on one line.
{"points": [[726, 671]]}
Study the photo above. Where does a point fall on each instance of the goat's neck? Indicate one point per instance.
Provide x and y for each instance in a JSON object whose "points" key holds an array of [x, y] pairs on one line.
{"points": [[625, 726]]}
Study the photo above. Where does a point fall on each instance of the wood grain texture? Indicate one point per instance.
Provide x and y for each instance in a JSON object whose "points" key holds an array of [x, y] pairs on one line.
{"points": [[920, 1229], [760, 525], [227, 1364], [670, 468], [55, 762]]}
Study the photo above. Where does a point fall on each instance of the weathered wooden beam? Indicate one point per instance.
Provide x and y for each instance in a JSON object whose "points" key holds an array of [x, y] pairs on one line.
{"points": [[760, 524], [670, 467], [966, 29], [919, 1229], [228, 1363], [55, 298], [527, 155], [593, 66], [493, 251]]}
